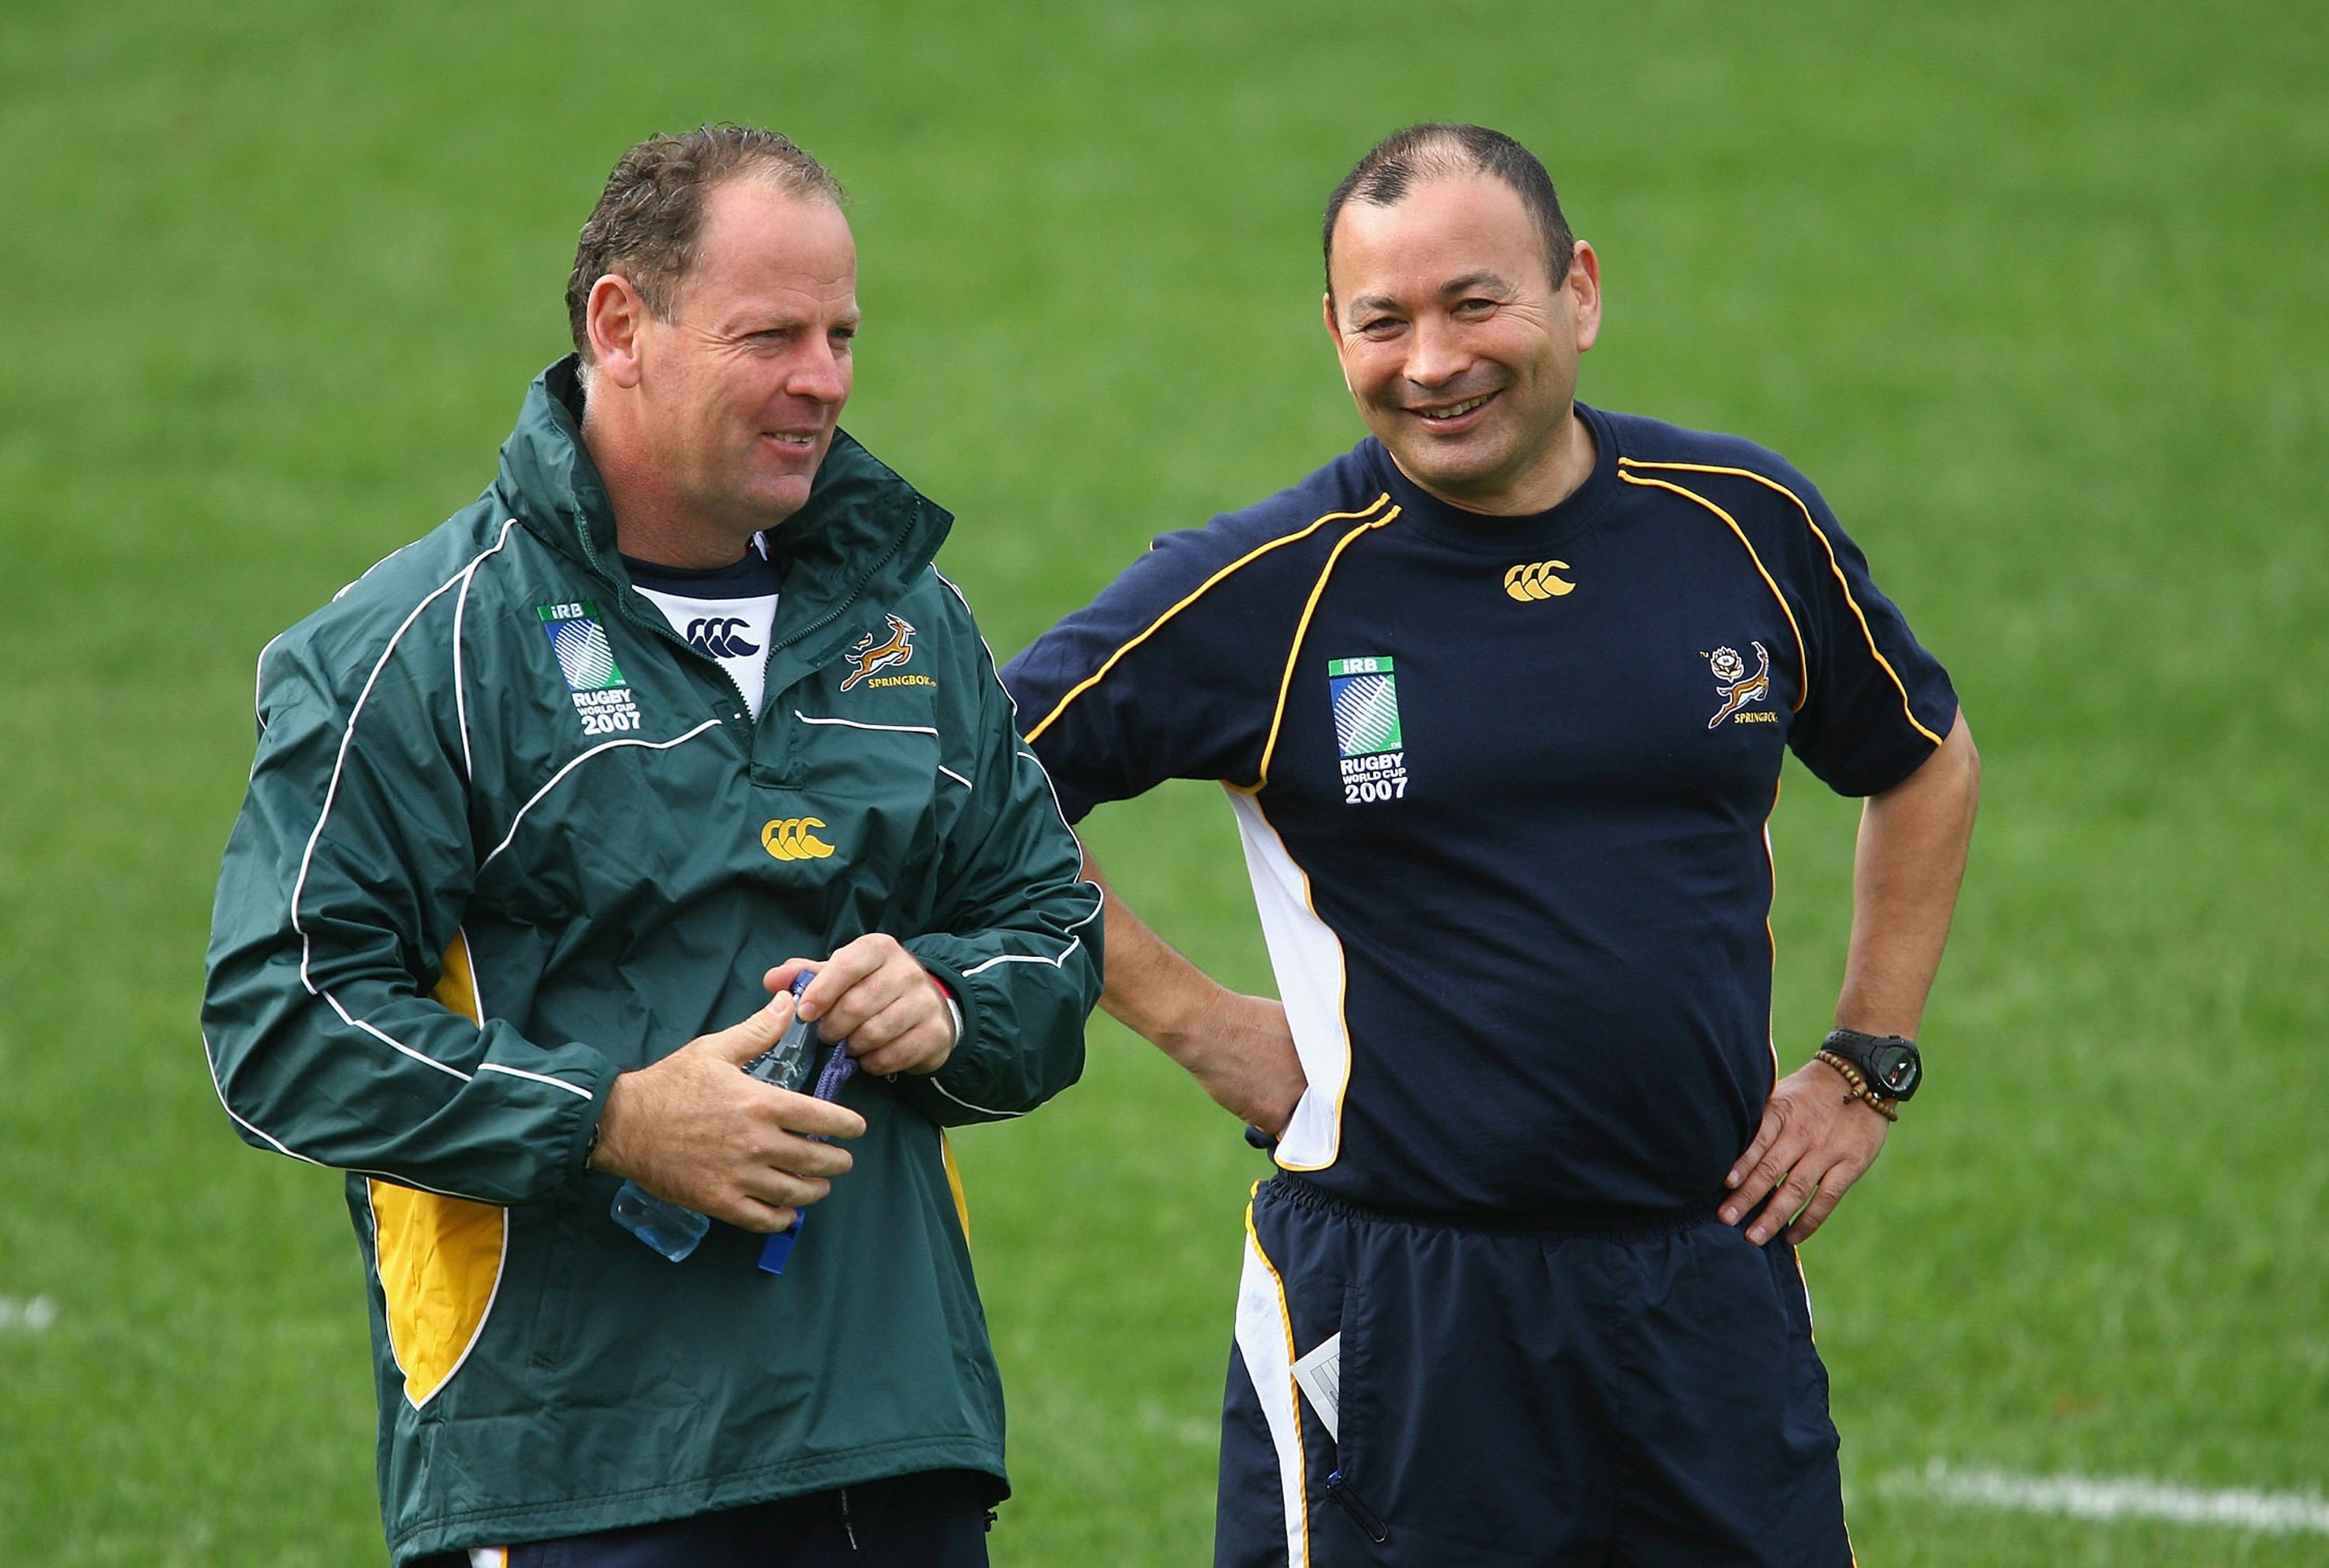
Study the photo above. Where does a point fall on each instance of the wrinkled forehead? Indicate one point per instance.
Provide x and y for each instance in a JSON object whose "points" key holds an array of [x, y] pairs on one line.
{"points": [[1440, 232], [758, 234]]}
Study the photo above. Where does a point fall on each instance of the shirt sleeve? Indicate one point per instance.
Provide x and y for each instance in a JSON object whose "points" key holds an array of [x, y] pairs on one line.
{"points": [[1169, 673], [1876, 704], [339, 898], [1016, 934]]}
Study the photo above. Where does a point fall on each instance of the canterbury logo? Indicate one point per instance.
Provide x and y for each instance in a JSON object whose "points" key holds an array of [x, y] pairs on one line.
{"points": [[866, 657], [1534, 580], [790, 838], [720, 636]]}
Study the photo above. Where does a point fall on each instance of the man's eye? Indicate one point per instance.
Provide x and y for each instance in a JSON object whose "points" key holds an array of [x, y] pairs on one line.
{"points": [[1476, 307], [1379, 326]]}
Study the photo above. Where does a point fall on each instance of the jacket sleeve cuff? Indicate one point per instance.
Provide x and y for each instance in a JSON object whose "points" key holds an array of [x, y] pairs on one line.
{"points": [[960, 1002], [582, 1137]]}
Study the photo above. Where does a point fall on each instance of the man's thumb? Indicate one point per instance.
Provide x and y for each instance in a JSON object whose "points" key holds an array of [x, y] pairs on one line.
{"points": [[740, 1043]]}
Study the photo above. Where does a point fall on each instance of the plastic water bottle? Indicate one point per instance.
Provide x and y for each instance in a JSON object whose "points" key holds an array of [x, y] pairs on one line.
{"points": [[673, 1231], [778, 1250]]}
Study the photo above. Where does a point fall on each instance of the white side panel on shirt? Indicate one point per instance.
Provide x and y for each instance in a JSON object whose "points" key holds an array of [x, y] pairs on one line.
{"points": [[1307, 958], [733, 631]]}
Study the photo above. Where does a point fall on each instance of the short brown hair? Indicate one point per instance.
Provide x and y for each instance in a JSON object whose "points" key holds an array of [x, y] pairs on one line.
{"points": [[649, 216], [1431, 152]]}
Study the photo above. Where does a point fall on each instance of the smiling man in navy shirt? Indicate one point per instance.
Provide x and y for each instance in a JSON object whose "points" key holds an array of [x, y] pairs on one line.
{"points": [[1500, 699]]}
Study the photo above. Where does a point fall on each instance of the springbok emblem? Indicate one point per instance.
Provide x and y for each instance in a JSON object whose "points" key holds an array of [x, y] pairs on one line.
{"points": [[866, 657], [1737, 688]]}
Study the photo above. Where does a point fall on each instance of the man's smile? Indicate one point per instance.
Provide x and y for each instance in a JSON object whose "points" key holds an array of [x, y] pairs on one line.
{"points": [[1450, 412]]}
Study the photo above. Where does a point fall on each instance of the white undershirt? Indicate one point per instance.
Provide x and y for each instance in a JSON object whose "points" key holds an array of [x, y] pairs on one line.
{"points": [[733, 631]]}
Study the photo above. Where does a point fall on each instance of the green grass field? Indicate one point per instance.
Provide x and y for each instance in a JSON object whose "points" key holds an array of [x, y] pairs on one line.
{"points": [[2040, 293]]}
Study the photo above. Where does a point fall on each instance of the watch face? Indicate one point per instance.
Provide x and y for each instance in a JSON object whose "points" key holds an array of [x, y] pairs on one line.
{"points": [[1894, 1068]]}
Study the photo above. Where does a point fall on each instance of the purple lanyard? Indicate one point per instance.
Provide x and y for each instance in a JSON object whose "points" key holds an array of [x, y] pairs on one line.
{"points": [[839, 1069]]}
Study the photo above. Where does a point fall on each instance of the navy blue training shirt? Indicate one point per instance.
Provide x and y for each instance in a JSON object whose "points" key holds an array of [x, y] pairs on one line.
{"points": [[1502, 784]]}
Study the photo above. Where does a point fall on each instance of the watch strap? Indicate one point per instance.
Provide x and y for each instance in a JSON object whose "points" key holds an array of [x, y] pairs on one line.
{"points": [[1862, 1051]]}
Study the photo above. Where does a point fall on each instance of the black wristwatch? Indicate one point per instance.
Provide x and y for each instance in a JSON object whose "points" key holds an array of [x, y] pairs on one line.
{"points": [[1888, 1063]]}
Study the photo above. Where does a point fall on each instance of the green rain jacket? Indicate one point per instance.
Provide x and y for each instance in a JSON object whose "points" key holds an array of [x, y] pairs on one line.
{"points": [[507, 837]]}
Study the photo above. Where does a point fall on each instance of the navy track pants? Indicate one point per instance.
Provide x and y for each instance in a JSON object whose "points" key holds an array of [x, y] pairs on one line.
{"points": [[1634, 1396]]}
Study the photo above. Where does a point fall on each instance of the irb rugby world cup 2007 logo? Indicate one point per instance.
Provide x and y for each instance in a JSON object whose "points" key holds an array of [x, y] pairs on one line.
{"points": [[586, 657], [1367, 733]]}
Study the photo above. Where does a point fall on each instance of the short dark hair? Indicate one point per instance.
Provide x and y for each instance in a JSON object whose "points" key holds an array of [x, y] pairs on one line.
{"points": [[1431, 152], [649, 216]]}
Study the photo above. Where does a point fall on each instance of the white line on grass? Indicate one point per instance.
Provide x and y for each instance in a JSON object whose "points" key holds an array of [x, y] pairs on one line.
{"points": [[33, 1316], [2085, 1497]]}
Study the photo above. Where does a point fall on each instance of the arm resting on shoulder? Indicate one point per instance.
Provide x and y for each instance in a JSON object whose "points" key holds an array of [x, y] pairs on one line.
{"points": [[1237, 1048], [1817, 1139]]}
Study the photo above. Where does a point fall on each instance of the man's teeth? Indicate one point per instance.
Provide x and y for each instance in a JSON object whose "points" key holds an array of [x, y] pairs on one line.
{"points": [[1454, 411], [790, 439]]}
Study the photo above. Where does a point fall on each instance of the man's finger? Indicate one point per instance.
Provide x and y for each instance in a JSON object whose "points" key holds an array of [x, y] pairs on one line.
{"points": [[905, 1015], [740, 1042], [782, 1189], [1762, 1175], [851, 1012], [748, 1213], [913, 1033], [851, 962], [1765, 1134], [1823, 1204], [780, 979], [800, 1154], [805, 1116], [1838, 1179], [923, 1051], [1794, 1195]]}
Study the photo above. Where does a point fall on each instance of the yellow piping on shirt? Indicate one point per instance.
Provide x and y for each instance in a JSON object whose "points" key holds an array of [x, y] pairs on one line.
{"points": [[1803, 658], [1089, 681], [1833, 564], [1293, 652]]}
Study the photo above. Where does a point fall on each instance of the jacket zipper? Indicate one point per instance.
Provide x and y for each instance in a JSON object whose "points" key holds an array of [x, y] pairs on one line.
{"points": [[1368, 1519], [662, 626], [742, 713], [847, 1528]]}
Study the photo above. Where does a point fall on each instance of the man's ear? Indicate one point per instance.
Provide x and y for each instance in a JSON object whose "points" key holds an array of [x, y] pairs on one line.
{"points": [[1334, 336], [1584, 284], [616, 319]]}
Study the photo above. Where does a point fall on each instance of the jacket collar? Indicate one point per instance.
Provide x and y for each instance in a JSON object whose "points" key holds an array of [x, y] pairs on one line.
{"points": [[864, 535]]}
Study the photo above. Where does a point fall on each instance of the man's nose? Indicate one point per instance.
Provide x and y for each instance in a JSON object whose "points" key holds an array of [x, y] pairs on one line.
{"points": [[819, 372], [1435, 354]]}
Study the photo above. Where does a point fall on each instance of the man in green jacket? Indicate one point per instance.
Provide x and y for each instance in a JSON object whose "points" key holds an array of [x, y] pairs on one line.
{"points": [[545, 806]]}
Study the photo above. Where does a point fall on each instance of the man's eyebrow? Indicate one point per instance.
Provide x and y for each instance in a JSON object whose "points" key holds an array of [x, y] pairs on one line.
{"points": [[1481, 282], [752, 323]]}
